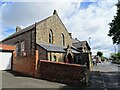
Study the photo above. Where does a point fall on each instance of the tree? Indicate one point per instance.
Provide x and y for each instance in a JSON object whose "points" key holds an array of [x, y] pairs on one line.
{"points": [[114, 31], [115, 57], [99, 54]]}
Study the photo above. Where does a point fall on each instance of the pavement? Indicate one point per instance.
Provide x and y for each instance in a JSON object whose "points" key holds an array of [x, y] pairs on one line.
{"points": [[13, 80], [104, 76]]}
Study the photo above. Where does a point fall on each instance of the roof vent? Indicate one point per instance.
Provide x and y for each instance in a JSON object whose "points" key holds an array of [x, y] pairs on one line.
{"points": [[18, 28]]}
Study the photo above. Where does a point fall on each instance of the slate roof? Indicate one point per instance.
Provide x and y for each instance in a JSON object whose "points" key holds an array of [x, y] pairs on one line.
{"points": [[51, 47], [75, 40], [81, 44], [25, 29], [74, 51], [76, 43], [55, 48], [31, 27]]}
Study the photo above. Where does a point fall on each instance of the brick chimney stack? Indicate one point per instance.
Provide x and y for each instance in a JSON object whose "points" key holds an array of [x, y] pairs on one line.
{"points": [[18, 28]]}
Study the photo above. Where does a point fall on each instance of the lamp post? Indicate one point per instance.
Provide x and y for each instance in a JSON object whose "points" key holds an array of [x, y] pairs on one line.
{"points": [[89, 41], [115, 48]]}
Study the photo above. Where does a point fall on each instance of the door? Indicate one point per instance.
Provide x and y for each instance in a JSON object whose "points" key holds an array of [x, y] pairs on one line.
{"points": [[69, 57], [5, 60]]}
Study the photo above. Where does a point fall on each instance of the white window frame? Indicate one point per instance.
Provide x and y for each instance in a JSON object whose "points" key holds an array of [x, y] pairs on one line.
{"points": [[22, 46]]}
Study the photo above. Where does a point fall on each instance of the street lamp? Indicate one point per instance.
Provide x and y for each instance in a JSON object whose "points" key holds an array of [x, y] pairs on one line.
{"points": [[89, 41], [115, 48]]}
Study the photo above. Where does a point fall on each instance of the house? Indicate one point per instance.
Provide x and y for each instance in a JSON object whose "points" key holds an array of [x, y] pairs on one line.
{"points": [[44, 40], [6, 53], [82, 46], [85, 57], [118, 47]]}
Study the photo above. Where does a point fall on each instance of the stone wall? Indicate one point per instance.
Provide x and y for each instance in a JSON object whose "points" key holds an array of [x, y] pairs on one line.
{"points": [[45, 55], [28, 37], [86, 59], [42, 53], [24, 63], [59, 56], [53, 23], [64, 73]]}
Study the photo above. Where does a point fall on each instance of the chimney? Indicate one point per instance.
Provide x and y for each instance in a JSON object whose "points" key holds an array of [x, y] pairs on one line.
{"points": [[55, 12], [18, 28], [70, 35]]}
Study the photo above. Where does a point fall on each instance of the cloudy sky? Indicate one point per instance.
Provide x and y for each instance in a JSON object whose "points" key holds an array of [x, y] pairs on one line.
{"points": [[85, 19]]}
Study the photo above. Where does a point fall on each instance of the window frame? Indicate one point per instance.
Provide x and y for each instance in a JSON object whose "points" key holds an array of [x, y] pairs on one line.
{"points": [[22, 48], [63, 39], [51, 36]]}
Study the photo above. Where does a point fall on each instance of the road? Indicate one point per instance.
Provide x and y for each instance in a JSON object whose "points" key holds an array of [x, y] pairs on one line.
{"points": [[104, 75]]}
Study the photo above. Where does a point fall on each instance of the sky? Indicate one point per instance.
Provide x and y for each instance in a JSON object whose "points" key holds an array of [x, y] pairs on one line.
{"points": [[85, 19]]}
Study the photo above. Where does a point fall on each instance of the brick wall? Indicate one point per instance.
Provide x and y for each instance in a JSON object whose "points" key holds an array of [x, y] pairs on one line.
{"points": [[7, 47], [28, 37], [61, 72], [25, 65]]}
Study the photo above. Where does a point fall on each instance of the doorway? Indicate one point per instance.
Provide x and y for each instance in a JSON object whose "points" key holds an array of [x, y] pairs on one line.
{"points": [[69, 57]]}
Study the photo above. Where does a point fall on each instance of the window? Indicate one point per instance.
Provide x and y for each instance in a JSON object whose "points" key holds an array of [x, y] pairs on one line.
{"points": [[54, 60], [79, 59], [16, 49], [23, 48], [51, 37], [63, 39], [50, 56]]}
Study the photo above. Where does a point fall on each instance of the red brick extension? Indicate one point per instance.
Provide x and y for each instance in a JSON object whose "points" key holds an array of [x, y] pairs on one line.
{"points": [[26, 65], [7, 47], [53, 71]]}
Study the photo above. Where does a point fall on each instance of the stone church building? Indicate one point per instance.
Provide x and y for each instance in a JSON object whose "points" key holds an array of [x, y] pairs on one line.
{"points": [[45, 40]]}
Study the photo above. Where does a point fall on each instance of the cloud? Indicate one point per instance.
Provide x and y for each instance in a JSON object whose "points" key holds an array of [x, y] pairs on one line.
{"points": [[83, 21], [93, 22]]}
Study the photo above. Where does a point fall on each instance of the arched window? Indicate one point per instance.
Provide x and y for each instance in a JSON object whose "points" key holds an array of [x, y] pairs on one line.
{"points": [[63, 39], [51, 37]]}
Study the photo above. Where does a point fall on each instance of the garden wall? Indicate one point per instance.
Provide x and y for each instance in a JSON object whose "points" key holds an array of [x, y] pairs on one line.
{"points": [[63, 72]]}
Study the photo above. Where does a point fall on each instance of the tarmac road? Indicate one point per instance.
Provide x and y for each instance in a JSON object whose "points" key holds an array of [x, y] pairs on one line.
{"points": [[105, 75]]}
